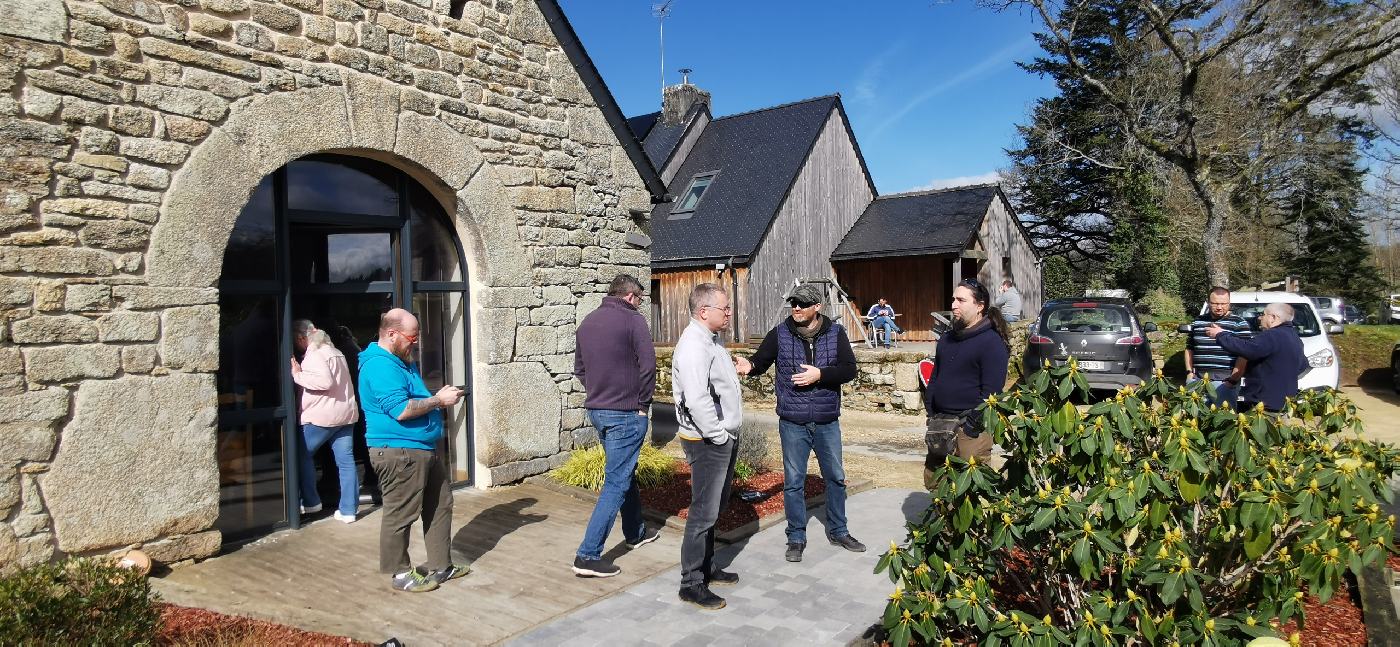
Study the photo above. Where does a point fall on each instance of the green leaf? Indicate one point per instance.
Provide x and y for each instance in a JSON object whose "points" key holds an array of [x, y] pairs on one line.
{"points": [[963, 519], [1043, 519], [1066, 388], [1188, 483], [1172, 588], [1256, 542], [899, 636]]}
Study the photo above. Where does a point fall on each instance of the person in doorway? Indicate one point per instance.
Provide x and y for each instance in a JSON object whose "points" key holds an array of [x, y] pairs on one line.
{"points": [[1275, 358], [1008, 301], [615, 360], [971, 366], [881, 317], [814, 359], [709, 411], [329, 412], [1206, 360], [403, 429]]}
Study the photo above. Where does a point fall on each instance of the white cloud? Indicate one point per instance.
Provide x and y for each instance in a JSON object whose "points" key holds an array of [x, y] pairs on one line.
{"points": [[867, 85], [963, 180]]}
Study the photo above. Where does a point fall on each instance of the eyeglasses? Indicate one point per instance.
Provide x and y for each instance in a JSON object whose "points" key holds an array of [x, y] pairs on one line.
{"points": [[725, 308], [801, 304], [412, 339]]}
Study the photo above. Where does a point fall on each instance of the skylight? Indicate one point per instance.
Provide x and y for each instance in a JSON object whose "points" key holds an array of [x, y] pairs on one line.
{"points": [[690, 200]]}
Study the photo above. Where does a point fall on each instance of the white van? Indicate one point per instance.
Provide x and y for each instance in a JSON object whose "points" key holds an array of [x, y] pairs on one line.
{"points": [[1324, 364]]}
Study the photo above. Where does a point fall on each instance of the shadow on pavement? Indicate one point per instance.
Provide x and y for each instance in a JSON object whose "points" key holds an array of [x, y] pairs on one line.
{"points": [[486, 529], [914, 506]]}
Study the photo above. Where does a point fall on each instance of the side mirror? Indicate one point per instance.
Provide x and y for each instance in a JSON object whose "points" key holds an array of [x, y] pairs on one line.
{"points": [[1184, 329], [1151, 327], [1335, 329]]}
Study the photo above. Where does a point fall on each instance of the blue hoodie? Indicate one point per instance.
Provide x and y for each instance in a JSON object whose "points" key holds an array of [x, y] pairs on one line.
{"points": [[386, 386]]}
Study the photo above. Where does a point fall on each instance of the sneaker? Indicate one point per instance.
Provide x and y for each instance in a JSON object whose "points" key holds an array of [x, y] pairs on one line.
{"points": [[848, 542], [794, 550], [413, 582], [594, 568], [450, 573], [311, 509], [647, 537], [346, 518], [722, 577], [700, 596]]}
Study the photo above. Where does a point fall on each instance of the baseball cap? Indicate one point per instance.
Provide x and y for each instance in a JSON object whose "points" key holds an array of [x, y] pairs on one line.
{"points": [[805, 294]]}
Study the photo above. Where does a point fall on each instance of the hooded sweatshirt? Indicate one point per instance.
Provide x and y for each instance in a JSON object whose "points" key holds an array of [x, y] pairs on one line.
{"points": [[971, 366], [386, 386]]}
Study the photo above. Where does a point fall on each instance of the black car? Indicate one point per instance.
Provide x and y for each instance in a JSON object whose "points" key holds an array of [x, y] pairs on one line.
{"points": [[1103, 334], [1395, 366]]}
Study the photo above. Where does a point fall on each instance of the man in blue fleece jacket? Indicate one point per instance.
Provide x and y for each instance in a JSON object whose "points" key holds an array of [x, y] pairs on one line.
{"points": [[1275, 358], [403, 427]]}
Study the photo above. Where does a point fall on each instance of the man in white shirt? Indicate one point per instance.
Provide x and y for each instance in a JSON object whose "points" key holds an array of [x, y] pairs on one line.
{"points": [[1009, 302], [705, 385]]}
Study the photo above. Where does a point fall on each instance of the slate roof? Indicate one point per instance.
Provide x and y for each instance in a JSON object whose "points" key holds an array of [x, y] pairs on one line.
{"points": [[758, 156], [915, 224], [659, 139]]}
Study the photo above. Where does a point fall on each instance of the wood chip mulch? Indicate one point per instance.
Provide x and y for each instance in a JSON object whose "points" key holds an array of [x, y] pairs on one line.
{"points": [[673, 497], [205, 628]]}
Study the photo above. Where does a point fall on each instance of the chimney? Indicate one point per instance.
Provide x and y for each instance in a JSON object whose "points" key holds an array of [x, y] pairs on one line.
{"points": [[677, 100]]}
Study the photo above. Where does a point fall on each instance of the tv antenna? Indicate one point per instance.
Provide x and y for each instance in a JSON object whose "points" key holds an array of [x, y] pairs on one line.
{"points": [[661, 10]]}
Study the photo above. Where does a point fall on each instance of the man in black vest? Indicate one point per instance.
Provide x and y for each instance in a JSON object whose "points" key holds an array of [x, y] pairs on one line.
{"points": [[814, 359]]}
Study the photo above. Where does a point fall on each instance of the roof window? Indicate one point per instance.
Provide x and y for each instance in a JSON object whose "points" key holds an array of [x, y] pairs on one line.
{"points": [[690, 200]]}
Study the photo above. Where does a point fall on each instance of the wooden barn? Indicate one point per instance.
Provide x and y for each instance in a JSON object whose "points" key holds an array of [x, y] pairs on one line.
{"points": [[913, 248], [761, 200]]}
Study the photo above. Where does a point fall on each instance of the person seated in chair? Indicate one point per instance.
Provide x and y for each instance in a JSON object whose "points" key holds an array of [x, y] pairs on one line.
{"points": [[882, 318]]}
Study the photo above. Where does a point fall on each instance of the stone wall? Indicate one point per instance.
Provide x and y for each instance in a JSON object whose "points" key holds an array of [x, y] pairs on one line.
{"points": [[887, 381], [131, 134]]}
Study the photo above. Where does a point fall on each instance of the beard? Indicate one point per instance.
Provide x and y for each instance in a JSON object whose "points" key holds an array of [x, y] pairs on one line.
{"points": [[957, 324]]}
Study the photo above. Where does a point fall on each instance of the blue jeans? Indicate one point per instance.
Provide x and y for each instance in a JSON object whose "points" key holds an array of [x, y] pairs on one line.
{"points": [[799, 441], [887, 324], [1226, 395], [342, 445], [621, 434]]}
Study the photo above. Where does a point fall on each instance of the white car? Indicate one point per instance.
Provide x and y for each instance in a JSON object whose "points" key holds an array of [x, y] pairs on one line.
{"points": [[1324, 364], [1394, 309]]}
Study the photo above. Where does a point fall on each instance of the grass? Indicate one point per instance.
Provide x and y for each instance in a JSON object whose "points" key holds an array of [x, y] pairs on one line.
{"points": [[1365, 351]]}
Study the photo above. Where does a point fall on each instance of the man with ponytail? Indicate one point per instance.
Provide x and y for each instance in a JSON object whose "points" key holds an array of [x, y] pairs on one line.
{"points": [[971, 361]]}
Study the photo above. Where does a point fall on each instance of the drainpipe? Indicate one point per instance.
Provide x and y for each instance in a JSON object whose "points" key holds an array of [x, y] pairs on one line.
{"points": [[734, 296]]}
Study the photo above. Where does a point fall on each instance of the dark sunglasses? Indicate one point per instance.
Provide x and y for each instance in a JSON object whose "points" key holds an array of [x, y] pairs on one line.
{"points": [[801, 304]]}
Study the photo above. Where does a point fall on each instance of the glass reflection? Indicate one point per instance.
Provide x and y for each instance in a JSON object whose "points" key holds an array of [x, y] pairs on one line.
{"points": [[434, 250], [248, 350], [251, 488], [345, 185], [442, 360], [252, 252], [319, 255]]}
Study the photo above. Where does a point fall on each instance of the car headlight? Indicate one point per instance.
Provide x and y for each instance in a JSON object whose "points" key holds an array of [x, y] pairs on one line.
{"points": [[1322, 358]]}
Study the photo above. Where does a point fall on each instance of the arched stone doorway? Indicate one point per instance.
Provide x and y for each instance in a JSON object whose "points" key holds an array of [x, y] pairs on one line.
{"points": [[337, 240]]}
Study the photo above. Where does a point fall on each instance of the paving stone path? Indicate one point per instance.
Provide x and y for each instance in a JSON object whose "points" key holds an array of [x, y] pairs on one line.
{"points": [[829, 598]]}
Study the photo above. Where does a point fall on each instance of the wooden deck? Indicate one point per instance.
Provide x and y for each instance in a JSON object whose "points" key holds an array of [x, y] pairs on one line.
{"points": [[520, 541]]}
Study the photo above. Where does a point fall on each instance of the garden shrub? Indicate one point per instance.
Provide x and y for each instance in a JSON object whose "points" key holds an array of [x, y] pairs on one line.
{"points": [[79, 601], [585, 467], [753, 449], [1147, 518], [1163, 305]]}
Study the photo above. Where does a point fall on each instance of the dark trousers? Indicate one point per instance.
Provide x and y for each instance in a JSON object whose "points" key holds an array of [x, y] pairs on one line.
{"points": [[415, 486], [711, 479]]}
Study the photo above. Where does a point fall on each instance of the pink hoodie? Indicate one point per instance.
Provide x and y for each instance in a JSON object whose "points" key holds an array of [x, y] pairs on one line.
{"points": [[328, 398]]}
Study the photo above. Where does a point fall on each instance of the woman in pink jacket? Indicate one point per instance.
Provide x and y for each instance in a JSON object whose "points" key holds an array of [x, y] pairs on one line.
{"points": [[328, 413]]}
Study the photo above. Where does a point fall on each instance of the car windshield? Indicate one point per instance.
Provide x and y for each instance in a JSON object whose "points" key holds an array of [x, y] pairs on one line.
{"points": [[1303, 318], [1087, 318]]}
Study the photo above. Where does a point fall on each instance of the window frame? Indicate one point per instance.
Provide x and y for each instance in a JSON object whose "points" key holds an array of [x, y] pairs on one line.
{"points": [[678, 213]]}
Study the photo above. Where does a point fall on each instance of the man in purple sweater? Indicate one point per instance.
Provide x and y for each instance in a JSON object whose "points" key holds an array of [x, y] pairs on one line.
{"points": [[616, 362]]}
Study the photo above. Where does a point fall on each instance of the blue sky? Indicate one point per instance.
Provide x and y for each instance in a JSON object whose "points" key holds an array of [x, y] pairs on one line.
{"points": [[931, 88]]}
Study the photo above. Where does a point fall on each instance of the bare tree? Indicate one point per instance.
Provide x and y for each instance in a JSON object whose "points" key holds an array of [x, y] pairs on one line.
{"points": [[1217, 90]]}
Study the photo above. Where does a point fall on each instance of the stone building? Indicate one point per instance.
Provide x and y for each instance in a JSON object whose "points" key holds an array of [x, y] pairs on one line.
{"points": [[182, 178]]}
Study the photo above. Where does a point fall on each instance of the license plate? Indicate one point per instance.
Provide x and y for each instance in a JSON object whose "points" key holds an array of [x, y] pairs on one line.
{"points": [[1092, 365]]}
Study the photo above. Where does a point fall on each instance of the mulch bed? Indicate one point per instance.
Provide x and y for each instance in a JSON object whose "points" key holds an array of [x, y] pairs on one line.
{"points": [[205, 628], [673, 497]]}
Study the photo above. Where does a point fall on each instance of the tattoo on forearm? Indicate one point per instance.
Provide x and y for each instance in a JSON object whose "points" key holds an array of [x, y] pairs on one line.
{"points": [[416, 408]]}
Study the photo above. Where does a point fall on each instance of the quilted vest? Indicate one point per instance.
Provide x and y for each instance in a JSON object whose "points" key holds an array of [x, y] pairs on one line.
{"points": [[803, 404]]}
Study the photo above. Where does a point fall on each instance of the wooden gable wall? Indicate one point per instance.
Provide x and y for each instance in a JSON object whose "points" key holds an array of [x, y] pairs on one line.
{"points": [[829, 194]]}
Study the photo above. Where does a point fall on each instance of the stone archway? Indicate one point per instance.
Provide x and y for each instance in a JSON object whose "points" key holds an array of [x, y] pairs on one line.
{"points": [[95, 499]]}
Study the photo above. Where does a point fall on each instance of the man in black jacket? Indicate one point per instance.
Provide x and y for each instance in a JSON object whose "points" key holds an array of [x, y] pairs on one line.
{"points": [[1275, 358], [814, 359]]}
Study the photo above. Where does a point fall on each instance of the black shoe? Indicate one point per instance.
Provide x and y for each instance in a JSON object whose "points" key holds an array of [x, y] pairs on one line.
{"points": [[594, 568], [848, 542], [648, 536], [794, 550], [700, 596], [722, 577]]}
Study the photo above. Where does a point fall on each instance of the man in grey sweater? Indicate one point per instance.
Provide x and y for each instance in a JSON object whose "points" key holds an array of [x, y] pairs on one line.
{"points": [[705, 385]]}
